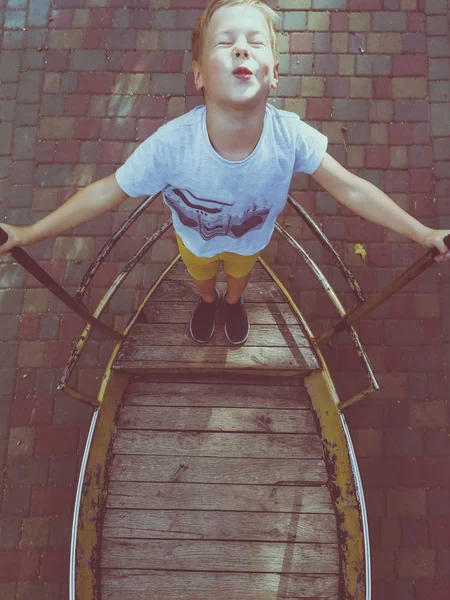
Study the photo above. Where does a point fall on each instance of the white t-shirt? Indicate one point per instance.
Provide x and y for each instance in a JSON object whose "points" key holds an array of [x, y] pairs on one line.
{"points": [[220, 205]]}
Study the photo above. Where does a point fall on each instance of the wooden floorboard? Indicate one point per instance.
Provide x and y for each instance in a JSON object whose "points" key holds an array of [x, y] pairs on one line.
{"points": [[237, 557], [139, 584], [239, 471], [217, 394], [219, 525], [217, 419], [177, 334], [199, 443], [139, 358]]}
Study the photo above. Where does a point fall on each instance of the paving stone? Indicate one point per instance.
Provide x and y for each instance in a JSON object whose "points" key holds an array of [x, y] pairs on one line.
{"points": [[389, 21], [9, 532], [9, 65], [121, 18], [439, 46], [440, 119], [30, 86], [7, 377], [60, 531], [39, 590], [164, 19], [14, 19], [27, 470], [88, 60], [52, 105], [38, 13], [329, 4], [181, 41], [294, 21], [52, 175], [7, 110]]}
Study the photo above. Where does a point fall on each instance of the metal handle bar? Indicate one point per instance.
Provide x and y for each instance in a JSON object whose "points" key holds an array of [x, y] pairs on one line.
{"points": [[364, 309], [29, 264]]}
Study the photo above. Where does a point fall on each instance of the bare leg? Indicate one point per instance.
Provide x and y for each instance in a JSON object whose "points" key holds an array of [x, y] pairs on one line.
{"points": [[207, 289], [236, 287]]}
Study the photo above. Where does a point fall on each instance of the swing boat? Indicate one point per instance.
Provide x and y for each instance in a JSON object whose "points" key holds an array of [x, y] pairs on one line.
{"points": [[218, 471]]}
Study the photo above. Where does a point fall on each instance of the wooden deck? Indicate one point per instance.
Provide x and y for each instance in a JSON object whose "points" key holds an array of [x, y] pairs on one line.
{"points": [[276, 345], [218, 491], [218, 486]]}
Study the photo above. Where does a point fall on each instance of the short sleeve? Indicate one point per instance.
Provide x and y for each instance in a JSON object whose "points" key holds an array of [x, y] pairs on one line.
{"points": [[145, 171], [310, 149]]}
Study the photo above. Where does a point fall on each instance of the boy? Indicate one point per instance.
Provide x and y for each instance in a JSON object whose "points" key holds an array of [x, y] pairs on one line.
{"points": [[226, 166]]}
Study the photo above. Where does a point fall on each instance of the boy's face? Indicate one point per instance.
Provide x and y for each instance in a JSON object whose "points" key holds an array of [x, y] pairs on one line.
{"points": [[237, 36]]}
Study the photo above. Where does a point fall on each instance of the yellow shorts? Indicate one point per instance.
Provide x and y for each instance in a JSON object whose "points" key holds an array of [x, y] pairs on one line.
{"points": [[202, 269]]}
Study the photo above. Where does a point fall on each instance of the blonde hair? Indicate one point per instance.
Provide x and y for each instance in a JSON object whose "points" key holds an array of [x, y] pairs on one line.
{"points": [[198, 35]]}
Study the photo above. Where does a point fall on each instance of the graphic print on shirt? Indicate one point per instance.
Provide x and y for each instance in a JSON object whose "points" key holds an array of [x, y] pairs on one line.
{"points": [[210, 217]]}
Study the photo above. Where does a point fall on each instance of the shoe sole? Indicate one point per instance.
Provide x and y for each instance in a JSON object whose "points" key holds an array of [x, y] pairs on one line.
{"points": [[240, 342], [202, 341]]}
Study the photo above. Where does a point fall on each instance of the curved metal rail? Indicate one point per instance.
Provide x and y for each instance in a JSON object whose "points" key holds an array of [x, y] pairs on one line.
{"points": [[94, 266], [362, 503], [373, 384], [328, 246], [81, 343]]}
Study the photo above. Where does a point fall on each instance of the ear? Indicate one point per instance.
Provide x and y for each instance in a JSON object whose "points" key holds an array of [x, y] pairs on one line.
{"points": [[274, 83], [198, 79]]}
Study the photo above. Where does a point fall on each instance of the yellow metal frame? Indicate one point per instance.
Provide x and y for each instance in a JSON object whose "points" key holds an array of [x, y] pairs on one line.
{"points": [[95, 488]]}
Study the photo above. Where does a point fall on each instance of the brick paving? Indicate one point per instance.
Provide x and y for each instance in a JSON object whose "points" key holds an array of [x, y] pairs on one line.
{"points": [[82, 83]]}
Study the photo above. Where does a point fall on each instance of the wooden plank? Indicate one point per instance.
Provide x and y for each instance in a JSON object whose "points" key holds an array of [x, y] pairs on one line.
{"points": [[138, 584], [282, 393], [174, 291], [197, 469], [256, 445], [271, 313], [177, 334], [220, 556], [216, 419], [216, 395], [179, 272], [192, 496], [219, 525], [138, 358]]}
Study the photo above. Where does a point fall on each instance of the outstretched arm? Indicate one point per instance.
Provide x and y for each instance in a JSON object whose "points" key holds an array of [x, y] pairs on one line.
{"points": [[366, 200], [89, 202]]}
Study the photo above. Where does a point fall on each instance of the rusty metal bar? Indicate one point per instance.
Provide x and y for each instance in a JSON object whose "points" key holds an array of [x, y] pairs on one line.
{"points": [[357, 397], [361, 311], [332, 295], [93, 268], [30, 265], [79, 346], [328, 246], [77, 395]]}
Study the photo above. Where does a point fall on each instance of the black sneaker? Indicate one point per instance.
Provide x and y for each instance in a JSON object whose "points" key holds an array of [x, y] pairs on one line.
{"points": [[237, 326], [202, 324]]}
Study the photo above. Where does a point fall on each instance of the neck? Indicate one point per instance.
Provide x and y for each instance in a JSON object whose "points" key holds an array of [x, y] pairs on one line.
{"points": [[234, 133]]}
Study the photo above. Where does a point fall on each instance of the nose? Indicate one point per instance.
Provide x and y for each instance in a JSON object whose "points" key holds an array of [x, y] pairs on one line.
{"points": [[241, 48], [241, 51]]}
